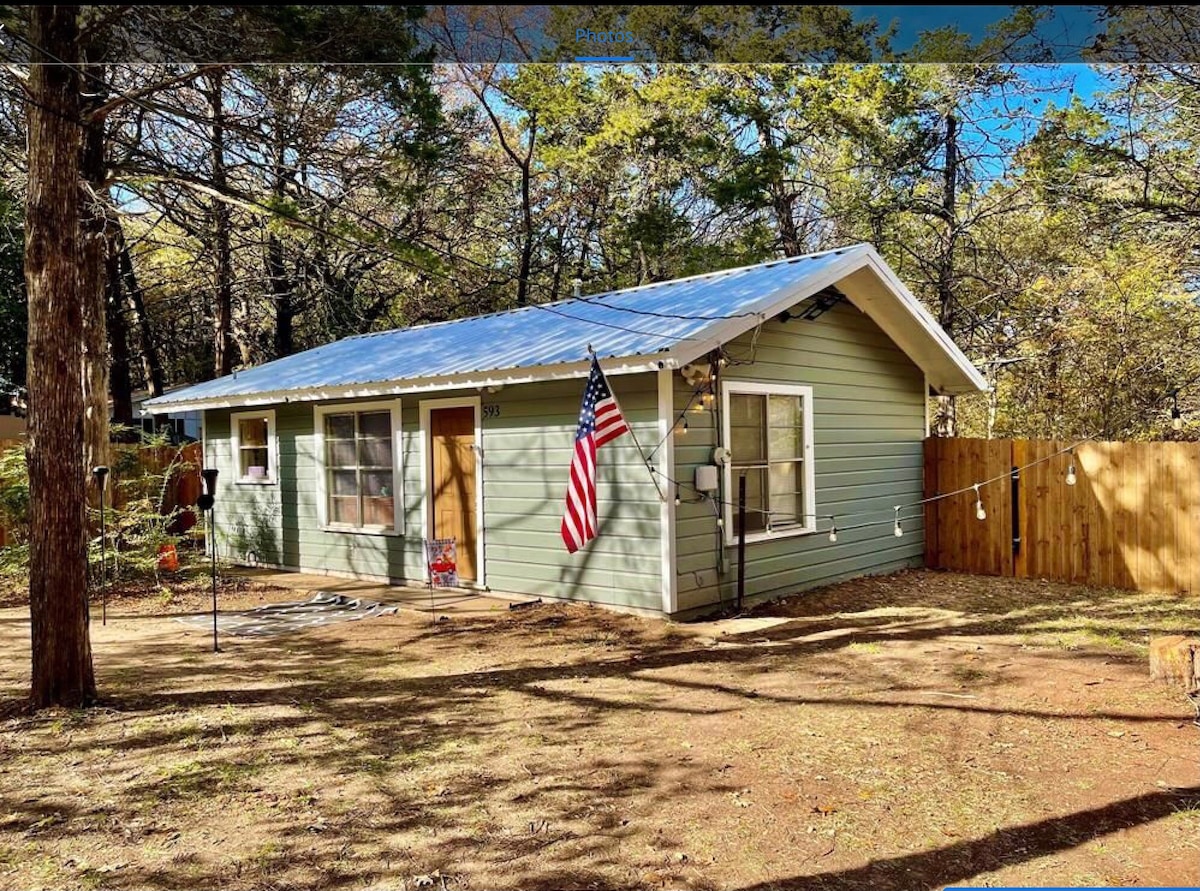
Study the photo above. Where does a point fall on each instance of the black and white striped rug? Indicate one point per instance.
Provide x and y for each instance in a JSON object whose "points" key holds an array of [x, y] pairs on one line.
{"points": [[287, 618]]}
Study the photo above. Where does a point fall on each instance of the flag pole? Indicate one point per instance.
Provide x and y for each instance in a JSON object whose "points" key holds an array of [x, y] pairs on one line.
{"points": [[645, 460]]}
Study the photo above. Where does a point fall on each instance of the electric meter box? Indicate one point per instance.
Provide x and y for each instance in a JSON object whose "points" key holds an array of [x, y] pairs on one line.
{"points": [[706, 478]]}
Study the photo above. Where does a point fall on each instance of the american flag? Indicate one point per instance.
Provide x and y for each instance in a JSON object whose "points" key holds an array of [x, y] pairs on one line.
{"points": [[600, 421]]}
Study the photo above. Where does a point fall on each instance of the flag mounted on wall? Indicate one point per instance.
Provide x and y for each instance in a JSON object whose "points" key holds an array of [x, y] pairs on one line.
{"points": [[600, 421]]}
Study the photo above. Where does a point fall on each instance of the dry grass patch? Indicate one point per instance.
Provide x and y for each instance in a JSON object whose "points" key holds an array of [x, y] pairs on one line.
{"points": [[911, 731]]}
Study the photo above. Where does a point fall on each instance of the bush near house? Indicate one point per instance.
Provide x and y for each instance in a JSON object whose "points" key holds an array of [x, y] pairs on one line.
{"points": [[147, 506]]}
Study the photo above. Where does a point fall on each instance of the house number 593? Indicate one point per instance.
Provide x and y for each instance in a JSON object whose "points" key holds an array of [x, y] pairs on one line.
{"points": [[491, 411]]}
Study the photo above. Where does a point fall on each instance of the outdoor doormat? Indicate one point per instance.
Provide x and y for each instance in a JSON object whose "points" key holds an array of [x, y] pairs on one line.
{"points": [[286, 618]]}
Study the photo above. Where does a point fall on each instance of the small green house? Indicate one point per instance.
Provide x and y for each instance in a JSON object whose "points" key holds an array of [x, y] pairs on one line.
{"points": [[806, 376]]}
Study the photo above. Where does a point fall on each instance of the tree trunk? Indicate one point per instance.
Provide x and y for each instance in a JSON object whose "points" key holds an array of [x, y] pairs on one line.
{"points": [[120, 379], [783, 203], [281, 294], [93, 285], [151, 364], [526, 265], [62, 651], [280, 282], [947, 413], [223, 268]]}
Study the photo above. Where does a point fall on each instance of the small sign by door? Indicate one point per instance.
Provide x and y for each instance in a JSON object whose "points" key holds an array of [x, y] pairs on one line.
{"points": [[442, 559]]}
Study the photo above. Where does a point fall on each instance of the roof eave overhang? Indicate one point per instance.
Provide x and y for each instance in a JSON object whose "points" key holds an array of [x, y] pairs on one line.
{"points": [[912, 327], [471, 381], [925, 342]]}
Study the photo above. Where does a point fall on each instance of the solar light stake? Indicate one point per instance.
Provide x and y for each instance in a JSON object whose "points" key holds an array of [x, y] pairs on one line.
{"points": [[205, 503], [101, 475]]}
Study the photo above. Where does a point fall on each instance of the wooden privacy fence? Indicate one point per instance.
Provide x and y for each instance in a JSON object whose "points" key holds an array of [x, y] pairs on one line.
{"points": [[182, 489], [1132, 519]]}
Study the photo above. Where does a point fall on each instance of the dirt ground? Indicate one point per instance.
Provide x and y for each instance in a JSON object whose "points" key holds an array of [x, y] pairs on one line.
{"points": [[906, 732]]}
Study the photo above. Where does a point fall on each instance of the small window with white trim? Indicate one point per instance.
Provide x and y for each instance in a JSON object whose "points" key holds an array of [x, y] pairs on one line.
{"points": [[768, 431], [360, 476], [254, 447]]}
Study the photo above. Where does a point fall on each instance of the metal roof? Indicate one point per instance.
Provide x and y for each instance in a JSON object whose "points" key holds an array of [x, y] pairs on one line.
{"points": [[633, 329]]}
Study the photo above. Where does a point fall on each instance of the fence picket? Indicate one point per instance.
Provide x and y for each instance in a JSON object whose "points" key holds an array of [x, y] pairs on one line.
{"points": [[1130, 521], [183, 490]]}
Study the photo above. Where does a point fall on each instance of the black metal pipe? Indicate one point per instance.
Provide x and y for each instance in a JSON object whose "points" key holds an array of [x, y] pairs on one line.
{"points": [[1015, 494], [741, 550], [212, 526]]}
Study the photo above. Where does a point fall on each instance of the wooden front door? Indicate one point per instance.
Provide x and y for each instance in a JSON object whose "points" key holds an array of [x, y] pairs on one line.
{"points": [[452, 483]]}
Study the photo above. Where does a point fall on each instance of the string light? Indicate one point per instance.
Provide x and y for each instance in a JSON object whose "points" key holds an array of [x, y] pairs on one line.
{"points": [[980, 513], [897, 530], [1071, 478], [1176, 414], [833, 533]]}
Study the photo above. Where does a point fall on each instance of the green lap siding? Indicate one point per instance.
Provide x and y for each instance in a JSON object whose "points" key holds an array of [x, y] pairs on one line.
{"points": [[279, 524], [868, 427], [527, 443]]}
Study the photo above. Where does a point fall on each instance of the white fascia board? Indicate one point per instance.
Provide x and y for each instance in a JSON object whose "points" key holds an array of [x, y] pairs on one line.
{"points": [[481, 380], [926, 320], [862, 256], [725, 331]]}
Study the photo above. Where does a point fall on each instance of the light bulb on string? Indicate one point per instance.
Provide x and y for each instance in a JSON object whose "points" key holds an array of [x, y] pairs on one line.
{"points": [[897, 530], [833, 533], [1071, 478], [980, 513], [1176, 414]]}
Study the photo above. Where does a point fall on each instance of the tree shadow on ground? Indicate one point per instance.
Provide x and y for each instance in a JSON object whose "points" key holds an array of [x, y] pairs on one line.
{"points": [[275, 727]]}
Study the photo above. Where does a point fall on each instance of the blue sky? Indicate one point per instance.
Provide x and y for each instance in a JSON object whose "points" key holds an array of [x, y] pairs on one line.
{"points": [[1068, 28]]}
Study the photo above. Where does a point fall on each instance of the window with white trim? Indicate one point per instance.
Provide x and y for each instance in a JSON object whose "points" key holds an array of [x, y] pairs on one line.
{"points": [[768, 431], [361, 466], [252, 437]]}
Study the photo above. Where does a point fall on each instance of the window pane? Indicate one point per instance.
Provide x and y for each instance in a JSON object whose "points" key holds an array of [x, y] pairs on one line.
{"points": [[786, 443], [746, 428], [375, 452], [340, 453], [252, 431], [343, 482], [745, 409], [379, 512], [343, 510], [375, 423], [254, 463], [377, 482], [785, 487], [339, 426], [756, 520], [784, 411]]}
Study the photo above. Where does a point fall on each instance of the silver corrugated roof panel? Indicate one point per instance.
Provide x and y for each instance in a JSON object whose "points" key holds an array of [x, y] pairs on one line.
{"points": [[647, 321]]}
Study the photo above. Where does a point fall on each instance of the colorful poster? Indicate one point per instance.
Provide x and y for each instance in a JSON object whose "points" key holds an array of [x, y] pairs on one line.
{"points": [[441, 557]]}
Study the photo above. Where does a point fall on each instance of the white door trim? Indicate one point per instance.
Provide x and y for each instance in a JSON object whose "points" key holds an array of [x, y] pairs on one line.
{"points": [[426, 407]]}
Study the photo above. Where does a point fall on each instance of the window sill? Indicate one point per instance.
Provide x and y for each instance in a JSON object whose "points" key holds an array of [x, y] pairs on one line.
{"points": [[247, 481], [363, 530], [756, 537]]}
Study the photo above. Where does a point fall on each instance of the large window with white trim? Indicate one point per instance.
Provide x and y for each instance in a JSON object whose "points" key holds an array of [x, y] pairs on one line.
{"points": [[768, 431], [360, 473], [252, 436]]}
